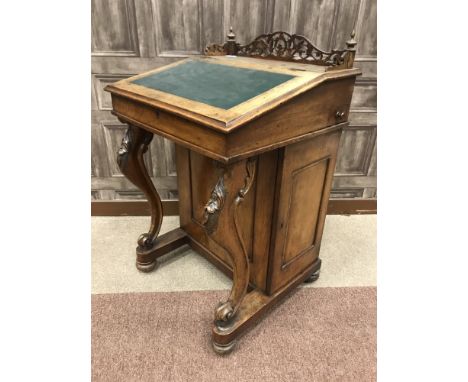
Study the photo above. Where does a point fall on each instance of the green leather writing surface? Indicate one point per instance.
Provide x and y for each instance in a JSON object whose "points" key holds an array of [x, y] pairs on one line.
{"points": [[217, 85]]}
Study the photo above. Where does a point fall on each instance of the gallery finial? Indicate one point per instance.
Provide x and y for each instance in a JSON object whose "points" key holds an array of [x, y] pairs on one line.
{"points": [[351, 44], [231, 35], [231, 46]]}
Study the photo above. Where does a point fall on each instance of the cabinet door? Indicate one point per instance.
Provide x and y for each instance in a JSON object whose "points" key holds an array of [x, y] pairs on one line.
{"points": [[304, 181]]}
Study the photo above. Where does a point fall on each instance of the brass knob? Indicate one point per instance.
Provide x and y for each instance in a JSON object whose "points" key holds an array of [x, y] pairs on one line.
{"points": [[339, 114]]}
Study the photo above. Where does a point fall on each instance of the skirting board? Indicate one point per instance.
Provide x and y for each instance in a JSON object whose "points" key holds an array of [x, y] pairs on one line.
{"points": [[171, 207]]}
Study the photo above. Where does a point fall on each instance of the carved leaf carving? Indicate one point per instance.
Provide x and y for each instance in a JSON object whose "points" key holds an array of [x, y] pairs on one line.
{"points": [[124, 150], [214, 206]]}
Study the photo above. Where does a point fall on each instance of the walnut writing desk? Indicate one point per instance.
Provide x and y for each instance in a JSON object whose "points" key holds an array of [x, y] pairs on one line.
{"points": [[257, 128]]}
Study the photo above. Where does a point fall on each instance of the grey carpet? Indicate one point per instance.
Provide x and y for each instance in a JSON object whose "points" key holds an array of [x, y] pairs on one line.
{"points": [[317, 334]]}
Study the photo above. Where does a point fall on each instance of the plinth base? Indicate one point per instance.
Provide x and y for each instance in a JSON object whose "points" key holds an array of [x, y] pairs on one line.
{"points": [[255, 304]]}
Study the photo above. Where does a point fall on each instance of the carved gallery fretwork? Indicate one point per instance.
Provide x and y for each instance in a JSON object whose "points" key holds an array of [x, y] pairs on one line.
{"points": [[286, 47], [256, 143]]}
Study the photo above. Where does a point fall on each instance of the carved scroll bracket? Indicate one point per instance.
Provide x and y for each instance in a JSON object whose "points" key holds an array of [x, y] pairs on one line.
{"points": [[251, 167], [236, 247], [130, 160], [124, 150]]}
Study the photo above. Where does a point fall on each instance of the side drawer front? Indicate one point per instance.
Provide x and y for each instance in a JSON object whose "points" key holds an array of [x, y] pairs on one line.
{"points": [[304, 182]]}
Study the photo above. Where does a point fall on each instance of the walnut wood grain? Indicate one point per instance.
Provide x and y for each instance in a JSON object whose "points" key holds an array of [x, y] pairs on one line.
{"points": [[303, 189], [131, 163], [233, 242], [171, 207], [164, 243], [310, 112], [224, 121], [254, 180], [254, 306], [197, 176]]}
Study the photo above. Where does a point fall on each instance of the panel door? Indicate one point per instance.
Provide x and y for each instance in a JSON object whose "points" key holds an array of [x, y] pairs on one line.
{"points": [[303, 188]]}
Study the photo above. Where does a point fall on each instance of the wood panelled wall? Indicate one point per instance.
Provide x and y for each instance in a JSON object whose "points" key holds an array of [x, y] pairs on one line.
{"points": [[132, 36]]}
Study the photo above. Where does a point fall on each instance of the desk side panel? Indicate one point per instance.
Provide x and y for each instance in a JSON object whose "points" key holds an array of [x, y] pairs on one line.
{"points": [[197, 175], [310, 112]]}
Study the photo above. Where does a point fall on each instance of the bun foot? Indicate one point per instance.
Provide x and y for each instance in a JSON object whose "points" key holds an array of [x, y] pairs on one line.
{"points": [[223, 349], [313, 277], [146, 267]]}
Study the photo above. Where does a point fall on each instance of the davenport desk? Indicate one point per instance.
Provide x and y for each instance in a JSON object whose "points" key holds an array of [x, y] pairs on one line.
{"points": [[256, 128]]}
